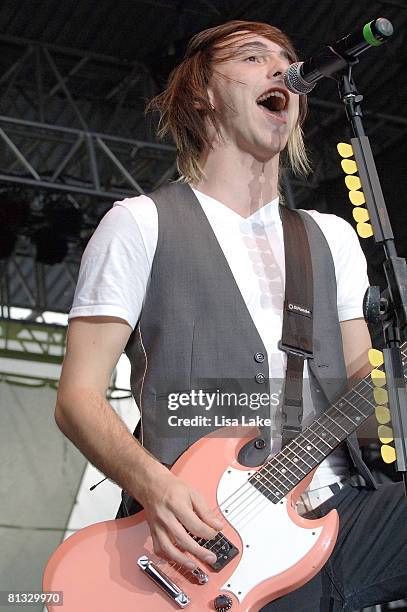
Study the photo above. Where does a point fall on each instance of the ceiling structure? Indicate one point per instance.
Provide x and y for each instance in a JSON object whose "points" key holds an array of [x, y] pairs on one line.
{"points": [[74, 79]]}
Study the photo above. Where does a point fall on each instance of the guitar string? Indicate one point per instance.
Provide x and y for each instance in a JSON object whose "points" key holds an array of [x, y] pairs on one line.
{"points": [[273, 472], [366, 382], [260, 495], [264, 500], [310, 431], [263, 497]]}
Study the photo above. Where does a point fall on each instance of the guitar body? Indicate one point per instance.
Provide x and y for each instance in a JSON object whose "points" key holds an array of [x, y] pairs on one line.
{"points": [[278, 551]]}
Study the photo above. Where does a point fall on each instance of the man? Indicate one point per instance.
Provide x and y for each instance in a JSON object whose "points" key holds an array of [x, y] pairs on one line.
{"points": [[191, 283]]}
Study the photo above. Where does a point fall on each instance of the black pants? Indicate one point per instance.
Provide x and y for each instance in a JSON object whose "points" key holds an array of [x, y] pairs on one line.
{"points": [[368, 565]]}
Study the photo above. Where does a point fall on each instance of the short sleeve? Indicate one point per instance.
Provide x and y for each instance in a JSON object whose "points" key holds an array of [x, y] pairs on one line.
{"points": [[350, 264], [114, 270]]}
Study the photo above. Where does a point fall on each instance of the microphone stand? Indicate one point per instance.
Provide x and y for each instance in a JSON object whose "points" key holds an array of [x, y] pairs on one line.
{"points": [[393, 304]]}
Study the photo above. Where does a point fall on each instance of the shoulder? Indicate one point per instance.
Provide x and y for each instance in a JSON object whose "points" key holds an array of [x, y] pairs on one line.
{"points": [[140, 207], [333, 227], [342, 239]]}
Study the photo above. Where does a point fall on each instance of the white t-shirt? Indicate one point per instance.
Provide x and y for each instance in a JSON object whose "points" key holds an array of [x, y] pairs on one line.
{"points": [[117, 261]]}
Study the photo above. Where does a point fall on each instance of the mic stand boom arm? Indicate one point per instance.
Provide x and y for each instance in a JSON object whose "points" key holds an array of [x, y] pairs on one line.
{"points": [[394, 320]]}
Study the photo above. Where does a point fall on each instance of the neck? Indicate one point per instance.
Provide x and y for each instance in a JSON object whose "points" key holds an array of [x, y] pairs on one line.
{"points": [[238, 180]]}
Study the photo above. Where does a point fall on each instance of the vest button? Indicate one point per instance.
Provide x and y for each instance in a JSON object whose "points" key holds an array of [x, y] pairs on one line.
{"points": [[260, 378], [259, 357]]}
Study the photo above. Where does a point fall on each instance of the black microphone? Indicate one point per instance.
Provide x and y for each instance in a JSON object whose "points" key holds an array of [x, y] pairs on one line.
{"points": [[301, 77]]}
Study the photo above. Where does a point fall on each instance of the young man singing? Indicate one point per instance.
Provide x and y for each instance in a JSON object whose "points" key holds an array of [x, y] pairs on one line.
{"points": [[191, 282]]}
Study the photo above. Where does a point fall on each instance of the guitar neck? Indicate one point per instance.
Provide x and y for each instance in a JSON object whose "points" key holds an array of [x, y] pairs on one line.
{"points": [[286, 469]]}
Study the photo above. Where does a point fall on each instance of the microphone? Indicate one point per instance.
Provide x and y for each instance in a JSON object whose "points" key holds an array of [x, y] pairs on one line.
{"points": [[301, 77]]}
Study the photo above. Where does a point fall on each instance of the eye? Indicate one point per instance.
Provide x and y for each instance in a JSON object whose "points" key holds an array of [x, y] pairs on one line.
{"points": [[252, 59]]}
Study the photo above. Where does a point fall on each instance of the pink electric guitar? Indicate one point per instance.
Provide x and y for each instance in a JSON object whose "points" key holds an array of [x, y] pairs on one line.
{"points": [[265, 550]]}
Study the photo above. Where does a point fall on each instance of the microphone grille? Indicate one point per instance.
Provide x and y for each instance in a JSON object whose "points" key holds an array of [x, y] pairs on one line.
{"points": [[295, 82]]}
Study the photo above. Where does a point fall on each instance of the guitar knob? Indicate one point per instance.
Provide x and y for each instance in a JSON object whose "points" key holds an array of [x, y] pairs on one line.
{"points": [[222, 603]]}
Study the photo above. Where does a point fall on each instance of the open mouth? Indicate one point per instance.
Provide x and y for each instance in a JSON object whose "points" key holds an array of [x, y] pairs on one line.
{"points": [[274, 100]]}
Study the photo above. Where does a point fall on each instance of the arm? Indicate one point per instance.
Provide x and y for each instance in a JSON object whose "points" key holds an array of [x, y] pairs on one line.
{"points": [[94, 345], [356, 343]]}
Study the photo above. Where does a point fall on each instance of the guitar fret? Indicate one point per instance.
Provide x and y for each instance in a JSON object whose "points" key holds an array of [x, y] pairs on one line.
{"points": [[318, 449], [323, 440], [306, 462], [336, 423], [285, 468], [296, 460], [332, 434], [275, 476], [346, 416]]}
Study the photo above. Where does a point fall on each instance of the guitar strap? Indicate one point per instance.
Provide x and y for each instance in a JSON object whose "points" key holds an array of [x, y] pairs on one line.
{"points": [[297, 332]]}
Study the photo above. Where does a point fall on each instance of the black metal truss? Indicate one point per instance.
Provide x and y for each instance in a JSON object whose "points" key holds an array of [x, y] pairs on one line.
{"points": [[72, 122]]}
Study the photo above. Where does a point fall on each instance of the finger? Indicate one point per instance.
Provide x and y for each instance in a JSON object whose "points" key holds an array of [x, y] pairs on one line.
{"points": [[191, 521], [187, 543], [207, 515], [164, 548]]}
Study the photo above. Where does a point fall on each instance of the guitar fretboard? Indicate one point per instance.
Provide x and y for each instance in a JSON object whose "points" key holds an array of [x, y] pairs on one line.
{"points": [[276, 478]]}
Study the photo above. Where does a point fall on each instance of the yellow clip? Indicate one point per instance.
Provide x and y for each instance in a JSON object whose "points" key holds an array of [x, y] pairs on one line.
{"points": [[349, 166], [388, 453], [385, 434], [375, 357], [380, 396], [382, 415], [353, 183], [378, 377], [365, 230], [356, 197], [344, 149], [360, 214]]}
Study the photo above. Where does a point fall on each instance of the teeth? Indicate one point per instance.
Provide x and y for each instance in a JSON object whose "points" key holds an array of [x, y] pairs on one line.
{"points": [[277, 94]]}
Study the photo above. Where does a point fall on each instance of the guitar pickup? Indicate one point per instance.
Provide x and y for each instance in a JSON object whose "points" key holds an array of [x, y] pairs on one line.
{"points": [[224, 550], [162, 580]]}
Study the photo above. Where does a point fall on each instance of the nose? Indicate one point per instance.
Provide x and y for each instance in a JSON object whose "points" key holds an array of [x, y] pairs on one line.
{"points": [[277, 66]]}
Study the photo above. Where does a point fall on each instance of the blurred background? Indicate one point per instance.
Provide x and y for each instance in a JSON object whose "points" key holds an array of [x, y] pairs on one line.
{"points": [[75, 77]]}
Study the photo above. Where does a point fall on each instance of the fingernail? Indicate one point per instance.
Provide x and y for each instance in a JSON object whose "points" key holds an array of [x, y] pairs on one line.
{"points": [[219, 525], [210, 559]]}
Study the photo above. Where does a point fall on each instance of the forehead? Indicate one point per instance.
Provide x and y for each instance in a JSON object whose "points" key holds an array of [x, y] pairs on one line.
{"points": [[243, 41]]}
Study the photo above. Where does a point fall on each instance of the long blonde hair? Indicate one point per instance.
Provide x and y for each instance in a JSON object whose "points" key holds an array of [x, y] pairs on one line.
{"points": [[184, 105]]}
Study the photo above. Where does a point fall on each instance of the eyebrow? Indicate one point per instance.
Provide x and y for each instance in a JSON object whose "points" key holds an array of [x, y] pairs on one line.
{"points": [[259, 46]]}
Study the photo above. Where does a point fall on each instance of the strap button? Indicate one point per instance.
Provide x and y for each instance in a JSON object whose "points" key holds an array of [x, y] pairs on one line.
{"points": [[259, 443], [260, 378], [259, 357]]}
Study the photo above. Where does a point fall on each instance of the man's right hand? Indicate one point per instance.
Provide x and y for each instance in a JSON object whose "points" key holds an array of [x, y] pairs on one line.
{"points": [[173, 509]]}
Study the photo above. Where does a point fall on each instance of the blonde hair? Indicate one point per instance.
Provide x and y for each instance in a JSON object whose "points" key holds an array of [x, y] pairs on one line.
{"points": [[184, 106]]}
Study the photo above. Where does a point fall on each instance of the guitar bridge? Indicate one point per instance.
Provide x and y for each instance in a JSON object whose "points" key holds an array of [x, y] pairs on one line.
{"points": [[162, 580]]}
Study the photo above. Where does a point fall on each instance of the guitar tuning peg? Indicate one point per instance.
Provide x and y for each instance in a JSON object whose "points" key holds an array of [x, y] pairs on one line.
{"points": [[375, 357], [360, 214], [365, 230], [349, 166], [388, 453], [356, 197], [344, 149]]}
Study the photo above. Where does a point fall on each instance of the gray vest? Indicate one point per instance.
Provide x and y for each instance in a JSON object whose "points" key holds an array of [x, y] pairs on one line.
{"points": [[196, 333]]}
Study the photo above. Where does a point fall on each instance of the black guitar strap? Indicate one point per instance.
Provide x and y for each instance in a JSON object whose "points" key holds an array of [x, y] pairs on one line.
{"points": [[297, 336]]}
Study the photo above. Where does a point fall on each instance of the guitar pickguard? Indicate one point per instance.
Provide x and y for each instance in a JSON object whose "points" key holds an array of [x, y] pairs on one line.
{"points": [[270, 541]]}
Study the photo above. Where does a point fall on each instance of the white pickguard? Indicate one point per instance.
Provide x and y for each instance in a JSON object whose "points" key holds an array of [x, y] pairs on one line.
{"points": [[272, 543]]}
